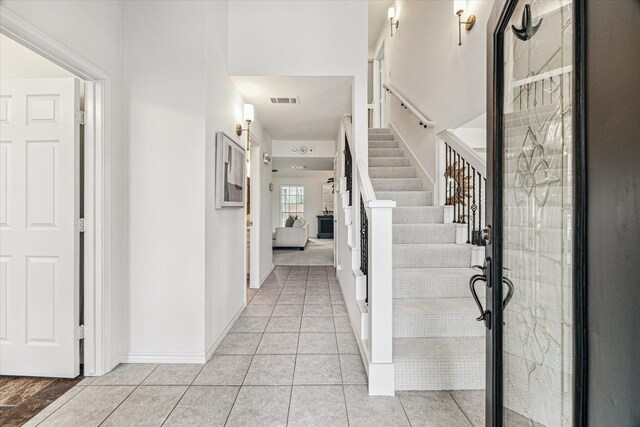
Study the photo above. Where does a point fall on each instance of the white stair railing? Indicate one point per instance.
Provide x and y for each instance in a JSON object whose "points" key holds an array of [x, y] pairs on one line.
{"points": [[371, 244], [376, 247]]}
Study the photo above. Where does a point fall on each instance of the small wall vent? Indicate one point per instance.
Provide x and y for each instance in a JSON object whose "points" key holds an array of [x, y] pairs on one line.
{"points": [[295, 100]]}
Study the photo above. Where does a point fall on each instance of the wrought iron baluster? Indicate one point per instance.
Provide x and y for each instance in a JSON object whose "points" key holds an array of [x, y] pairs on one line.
{"points": [[348, 169], [364, 247], [466, 181], [474, 207], [447, 152], [454, 190]]}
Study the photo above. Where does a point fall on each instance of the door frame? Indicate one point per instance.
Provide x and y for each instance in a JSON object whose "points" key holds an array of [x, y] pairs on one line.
{"points": [[97, 200], [255, 154], [378, 90], [495, 95], [381, 101]]}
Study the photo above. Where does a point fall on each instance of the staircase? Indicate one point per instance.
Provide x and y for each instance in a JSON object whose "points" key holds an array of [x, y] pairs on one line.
{"points": [[437, 344]]}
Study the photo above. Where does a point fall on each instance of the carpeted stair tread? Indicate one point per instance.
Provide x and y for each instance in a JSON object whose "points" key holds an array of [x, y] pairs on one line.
{"points": [[453, 363], [436, 317], [396, 184], [431, 282], [407, 198], [418, 214], [388, 161], [392, 172], [431, 255], [424, 233]]}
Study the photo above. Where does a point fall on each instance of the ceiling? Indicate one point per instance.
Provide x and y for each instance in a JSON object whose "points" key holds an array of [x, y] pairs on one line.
{"points": [[283, 164], [323, 102], [377, 19]]}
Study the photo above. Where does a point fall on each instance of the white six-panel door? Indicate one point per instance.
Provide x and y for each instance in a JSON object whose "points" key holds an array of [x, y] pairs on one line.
{"points": [[39, 245]]}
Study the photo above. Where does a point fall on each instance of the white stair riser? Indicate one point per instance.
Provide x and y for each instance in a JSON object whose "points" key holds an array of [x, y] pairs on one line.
{"points": [[389, 162], [418, 215], [392, 172], [441, 374], [415, 256], [396, 184], [380, 137], [407, 198], [431, 287], [437, 325], [377, 131], [386, 152], [424, 233], [383, 144]]}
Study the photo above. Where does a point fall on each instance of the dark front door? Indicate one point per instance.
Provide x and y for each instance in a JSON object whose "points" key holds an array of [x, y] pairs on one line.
{"points": [[534, 216]]}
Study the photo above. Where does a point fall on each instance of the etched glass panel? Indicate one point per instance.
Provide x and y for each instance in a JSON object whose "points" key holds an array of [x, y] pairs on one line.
{"points": [[538, 208]]}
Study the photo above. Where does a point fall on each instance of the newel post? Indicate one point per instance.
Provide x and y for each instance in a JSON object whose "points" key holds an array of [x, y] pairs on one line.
{"points": [[381, 369]]}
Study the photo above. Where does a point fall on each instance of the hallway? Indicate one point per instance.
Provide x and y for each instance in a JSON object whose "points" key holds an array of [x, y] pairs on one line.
{"points": [[316, 252], [290, 359]]}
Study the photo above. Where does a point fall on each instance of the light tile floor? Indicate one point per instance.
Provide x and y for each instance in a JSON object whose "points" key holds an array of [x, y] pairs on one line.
{"points": [[290, 359]]}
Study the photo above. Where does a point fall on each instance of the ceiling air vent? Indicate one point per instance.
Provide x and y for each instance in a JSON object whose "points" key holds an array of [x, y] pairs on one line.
{"points": [[295, 100]]}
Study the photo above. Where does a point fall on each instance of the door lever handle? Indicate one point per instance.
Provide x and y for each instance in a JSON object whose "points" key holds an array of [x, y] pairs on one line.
{"points": [[507, 298], [485, 315]]}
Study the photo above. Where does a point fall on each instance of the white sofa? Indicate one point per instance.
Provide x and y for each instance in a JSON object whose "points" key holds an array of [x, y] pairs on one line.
{"points": [[291, 237]]}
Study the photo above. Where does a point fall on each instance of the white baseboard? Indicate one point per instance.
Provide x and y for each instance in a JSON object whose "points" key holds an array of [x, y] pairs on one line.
{"points": [[196, 357], [267, 274], [224, 333], [115, 361], [413, 156], [162, 358]]}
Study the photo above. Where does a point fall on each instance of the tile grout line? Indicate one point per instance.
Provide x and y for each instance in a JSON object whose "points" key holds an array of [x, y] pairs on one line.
{"points": [[344, 392], [404, 410], [460, 407], [128, 395], [248, 368], [183, 394], [295, 363], [57, 409]]}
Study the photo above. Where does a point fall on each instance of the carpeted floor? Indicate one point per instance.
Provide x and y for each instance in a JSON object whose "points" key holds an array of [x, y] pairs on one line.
{"points": [[317, 252]]}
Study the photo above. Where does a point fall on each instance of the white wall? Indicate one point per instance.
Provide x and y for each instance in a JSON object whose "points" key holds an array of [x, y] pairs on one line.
{"points": [[303, 38], [186, 282], [444, 81], [312, 182], [93, 31], [165, 121], [424, 62]]}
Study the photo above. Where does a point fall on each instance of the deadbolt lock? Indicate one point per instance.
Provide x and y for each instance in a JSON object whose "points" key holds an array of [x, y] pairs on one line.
{"points": [[486, 234]]}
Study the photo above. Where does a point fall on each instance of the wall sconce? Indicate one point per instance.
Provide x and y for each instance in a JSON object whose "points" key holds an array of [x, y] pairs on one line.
{"points": [[458, 7], [248, 118], [391, 13]]}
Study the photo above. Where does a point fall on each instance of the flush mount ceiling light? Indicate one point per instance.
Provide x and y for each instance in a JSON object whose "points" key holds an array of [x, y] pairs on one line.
{"points": [[459, 7], [298, 167], [303, 150], [248, 118], [391, 13]]}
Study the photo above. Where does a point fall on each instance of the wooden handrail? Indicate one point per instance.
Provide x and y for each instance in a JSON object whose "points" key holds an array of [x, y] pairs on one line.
{"points": [[424, 120]]}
